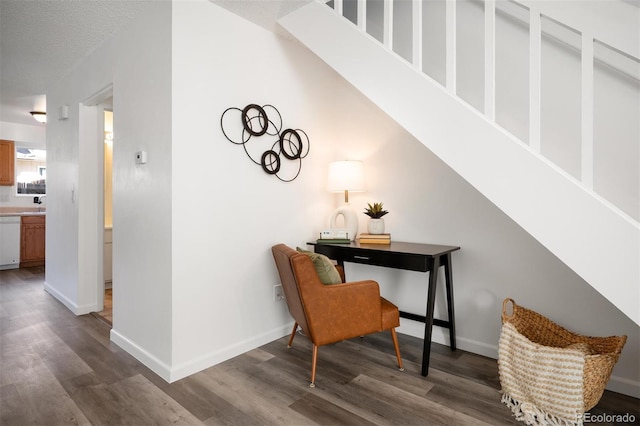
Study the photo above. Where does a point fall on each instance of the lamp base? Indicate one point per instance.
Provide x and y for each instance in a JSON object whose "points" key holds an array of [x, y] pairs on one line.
{"points": [[350, 220]]}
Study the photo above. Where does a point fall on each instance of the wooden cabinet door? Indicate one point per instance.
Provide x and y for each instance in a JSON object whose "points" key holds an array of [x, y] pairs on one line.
{"points": [[7, 163], [32, 241]]}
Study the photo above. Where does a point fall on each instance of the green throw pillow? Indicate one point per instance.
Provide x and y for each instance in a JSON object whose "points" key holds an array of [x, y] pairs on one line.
{"points": [[327, 272]]}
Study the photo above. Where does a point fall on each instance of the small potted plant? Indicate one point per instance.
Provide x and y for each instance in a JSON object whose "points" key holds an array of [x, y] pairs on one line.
{"points": [[376, 223]]}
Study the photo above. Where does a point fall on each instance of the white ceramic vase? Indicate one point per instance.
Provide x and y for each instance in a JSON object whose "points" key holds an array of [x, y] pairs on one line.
{"points": [[350, 219], [376, 226]]}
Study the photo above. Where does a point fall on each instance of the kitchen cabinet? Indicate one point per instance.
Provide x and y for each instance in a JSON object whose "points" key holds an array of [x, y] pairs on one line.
{"points": [[32, 241], [7, 163]]}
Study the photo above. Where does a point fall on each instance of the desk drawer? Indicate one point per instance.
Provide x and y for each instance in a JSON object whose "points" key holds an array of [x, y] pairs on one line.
{"points": [[407, 261]]}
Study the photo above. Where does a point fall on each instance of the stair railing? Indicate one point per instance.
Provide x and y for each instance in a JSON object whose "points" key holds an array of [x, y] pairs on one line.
{"points": [[594, 30]]}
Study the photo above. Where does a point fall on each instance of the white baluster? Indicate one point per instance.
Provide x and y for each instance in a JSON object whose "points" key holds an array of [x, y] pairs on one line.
{"points": [[490, 60], [416, 12], [387, 35], [362, 15], [535, 53], [337, 6], [451, 46]]}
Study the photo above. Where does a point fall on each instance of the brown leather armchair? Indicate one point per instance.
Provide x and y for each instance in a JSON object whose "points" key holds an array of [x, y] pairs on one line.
{"points": [[331, 313]]}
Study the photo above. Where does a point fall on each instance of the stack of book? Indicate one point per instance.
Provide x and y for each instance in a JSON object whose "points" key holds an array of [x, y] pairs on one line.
{"points": [[333, 241], [375, 238]]}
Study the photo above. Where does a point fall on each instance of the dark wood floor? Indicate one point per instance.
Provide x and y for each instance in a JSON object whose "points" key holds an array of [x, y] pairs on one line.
{"points": [[59, 369]]}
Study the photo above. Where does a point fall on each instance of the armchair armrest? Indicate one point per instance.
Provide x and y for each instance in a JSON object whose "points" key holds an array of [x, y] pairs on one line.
{"points": [[343, 311], [339, 311]]}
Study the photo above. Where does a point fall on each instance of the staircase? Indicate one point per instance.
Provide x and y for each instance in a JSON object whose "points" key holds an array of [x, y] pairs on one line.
{"points": [[559, 207]]}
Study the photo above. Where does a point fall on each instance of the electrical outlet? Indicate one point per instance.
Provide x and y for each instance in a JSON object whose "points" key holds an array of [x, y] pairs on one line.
{"points": [[278, 293]]}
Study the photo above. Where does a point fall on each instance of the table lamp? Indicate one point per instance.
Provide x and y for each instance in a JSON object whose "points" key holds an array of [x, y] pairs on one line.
{"points": [[346, 176]]}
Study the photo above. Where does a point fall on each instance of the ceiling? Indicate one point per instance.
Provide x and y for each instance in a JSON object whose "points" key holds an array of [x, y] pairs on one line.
{"points": [[42, 40]]}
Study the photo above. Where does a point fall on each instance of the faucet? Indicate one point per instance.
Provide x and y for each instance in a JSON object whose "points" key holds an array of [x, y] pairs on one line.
{"points": [[39, 200]]}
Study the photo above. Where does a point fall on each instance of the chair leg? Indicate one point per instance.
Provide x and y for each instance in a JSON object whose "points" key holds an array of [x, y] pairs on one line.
{"points": [[394, 337], [293, 334], [314, 363]]}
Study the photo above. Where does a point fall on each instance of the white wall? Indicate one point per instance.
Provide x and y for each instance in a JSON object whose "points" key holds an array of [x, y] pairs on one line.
{"points": [[61, 275], [24, 134], [227, 213], [137, 62], [142, 209]]}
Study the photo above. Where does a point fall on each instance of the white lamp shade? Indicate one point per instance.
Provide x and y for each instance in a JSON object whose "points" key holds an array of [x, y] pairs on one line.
{"points": [[346, 176]]}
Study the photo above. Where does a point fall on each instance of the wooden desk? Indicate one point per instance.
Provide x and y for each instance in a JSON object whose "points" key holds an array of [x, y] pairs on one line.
{"points": [[412, 257]]}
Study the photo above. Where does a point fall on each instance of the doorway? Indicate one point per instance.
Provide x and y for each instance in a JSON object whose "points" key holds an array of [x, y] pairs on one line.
{"points": [[96, 161], [106, 314]]}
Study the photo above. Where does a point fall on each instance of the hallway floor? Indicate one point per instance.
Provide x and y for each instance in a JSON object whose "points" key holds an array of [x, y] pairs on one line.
{"points": [[106, 314], [57, 369]]}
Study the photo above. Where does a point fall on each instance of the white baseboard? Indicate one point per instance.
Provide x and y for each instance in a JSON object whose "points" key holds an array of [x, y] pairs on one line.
{"points": [[173, 373], [61, 297], [440, 335], [72, 306], [160, 368], [9, 266], [624, 386], [186, 369]]}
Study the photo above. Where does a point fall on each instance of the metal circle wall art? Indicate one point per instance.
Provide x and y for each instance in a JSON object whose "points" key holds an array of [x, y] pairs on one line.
{"points": [[263, 124]]}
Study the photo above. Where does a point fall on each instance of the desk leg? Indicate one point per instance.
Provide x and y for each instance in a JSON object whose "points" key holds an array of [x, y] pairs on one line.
{"points": [[428, 326], [450, 311]]}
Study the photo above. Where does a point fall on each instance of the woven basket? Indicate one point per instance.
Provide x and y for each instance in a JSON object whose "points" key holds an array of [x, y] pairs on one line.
{"points": [[599, 357]]}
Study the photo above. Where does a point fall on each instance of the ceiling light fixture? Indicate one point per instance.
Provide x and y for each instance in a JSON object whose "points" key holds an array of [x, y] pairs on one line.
{"points": [[40, 116]]}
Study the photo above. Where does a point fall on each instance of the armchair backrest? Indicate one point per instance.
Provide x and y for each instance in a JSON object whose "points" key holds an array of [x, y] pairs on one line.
{"points": [[284, 257]]}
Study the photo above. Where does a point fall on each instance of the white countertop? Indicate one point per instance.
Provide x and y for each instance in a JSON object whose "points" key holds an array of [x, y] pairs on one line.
{"points": [[22, 211]]}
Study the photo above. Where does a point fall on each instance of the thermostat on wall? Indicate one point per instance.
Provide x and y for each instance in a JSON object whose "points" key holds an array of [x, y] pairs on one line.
{"points": [[141, 157]]}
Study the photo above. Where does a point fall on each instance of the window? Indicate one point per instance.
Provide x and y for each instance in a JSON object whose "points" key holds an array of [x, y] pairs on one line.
{"points": [[31, 171]]}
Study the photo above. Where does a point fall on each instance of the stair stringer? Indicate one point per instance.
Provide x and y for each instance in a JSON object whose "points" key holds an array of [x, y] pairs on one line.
{"points": [[592, 237]]}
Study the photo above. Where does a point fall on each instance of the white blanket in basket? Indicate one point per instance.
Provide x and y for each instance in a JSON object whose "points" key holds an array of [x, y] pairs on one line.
{"points": [[542, 385]]}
